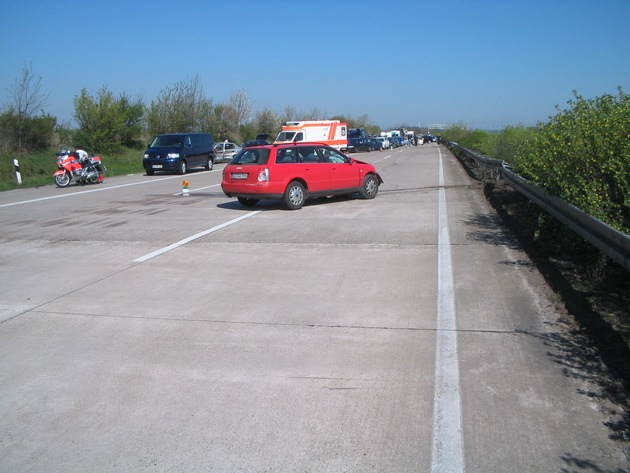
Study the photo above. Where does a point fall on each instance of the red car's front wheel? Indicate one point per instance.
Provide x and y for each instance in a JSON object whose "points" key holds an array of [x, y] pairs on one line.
{"points": [[370, 187]]}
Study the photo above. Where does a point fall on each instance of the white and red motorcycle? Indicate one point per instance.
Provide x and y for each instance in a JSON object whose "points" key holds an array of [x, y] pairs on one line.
{"points": [[78, 168]]}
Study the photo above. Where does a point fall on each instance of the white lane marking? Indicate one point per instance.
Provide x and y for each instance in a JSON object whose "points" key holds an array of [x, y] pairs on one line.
{"points": [[101, 189], [194, 237], [447, 450], [206, 187], [383, 159]]}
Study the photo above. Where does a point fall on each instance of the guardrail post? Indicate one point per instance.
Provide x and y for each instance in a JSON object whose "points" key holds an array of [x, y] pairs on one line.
{"points": [[18, 175]]}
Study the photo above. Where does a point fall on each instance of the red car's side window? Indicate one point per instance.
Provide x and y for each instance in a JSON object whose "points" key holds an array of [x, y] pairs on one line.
{"points": [[286, 155], [333, 156], [308, 154]]}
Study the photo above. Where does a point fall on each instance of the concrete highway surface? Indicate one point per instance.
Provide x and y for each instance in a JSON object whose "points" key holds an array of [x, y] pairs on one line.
{"points": [[145, 330]]}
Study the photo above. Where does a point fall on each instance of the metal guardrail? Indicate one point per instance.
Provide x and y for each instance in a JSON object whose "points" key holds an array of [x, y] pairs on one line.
{"points": [[608, 240], [482, 160], [486, 164]]}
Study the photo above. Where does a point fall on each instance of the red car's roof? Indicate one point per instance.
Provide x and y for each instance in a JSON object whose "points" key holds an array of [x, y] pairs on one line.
{"points": [[287, 144]]}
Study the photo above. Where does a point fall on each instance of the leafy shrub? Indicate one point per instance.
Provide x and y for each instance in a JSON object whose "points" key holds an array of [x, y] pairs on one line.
{"points": [[502, 145], [19, 134], [583, 156], [460, 134], [505, 144], [106, 124]]}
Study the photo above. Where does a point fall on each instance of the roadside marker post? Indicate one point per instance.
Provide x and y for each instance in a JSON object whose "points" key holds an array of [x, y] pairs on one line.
{"points": [[18, 174]]}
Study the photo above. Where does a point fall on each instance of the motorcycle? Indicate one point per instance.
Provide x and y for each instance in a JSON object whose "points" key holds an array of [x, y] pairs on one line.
{"points": [[78, 169]]}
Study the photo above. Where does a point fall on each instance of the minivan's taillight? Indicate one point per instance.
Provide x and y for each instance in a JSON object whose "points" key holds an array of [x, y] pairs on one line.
{"points": [[263, 175]]}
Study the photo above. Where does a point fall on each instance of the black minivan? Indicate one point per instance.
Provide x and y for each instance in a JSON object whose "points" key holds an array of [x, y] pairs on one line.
{"points": [[176, 152]]}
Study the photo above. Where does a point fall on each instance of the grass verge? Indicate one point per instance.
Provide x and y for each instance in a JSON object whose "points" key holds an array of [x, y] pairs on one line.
{"points": [[37, 169]]}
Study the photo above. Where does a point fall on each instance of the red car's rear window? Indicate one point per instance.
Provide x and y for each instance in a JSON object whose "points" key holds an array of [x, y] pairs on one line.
{"points": [[251, 156]]}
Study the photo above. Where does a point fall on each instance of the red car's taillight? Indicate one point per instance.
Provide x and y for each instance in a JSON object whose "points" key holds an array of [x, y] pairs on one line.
{"points": [[263, 175]]}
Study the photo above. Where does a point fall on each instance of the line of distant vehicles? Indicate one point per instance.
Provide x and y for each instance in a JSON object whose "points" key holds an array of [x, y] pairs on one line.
{"points": [[337, 134], [177, 152], [333, 133]]}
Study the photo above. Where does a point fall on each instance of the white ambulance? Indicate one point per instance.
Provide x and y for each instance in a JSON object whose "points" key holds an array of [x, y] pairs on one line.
{"points": [[331, 132]]}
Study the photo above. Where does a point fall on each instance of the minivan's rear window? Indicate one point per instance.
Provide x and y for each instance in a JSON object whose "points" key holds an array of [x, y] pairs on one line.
{"points": [[168, 141], [251, 156]]}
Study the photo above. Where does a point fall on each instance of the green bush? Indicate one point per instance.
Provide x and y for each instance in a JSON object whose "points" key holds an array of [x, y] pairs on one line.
{"points": [[26, 134], [502, 145], [583, 156], [505, 144], [106, 124]]}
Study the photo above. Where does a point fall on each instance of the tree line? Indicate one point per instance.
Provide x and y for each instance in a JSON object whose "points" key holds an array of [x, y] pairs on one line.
{"points": [[106, 122]]}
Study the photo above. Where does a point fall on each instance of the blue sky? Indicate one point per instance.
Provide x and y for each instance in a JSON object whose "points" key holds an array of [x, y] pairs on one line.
{"points": [[485, 63]]}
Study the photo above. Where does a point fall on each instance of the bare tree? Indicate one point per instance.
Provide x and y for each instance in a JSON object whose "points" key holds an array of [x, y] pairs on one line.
{"points": [[180, 107], [27, 99], [226, 123], [242, 105], [292, 114], [289, 114], [363, 121], [313, 114], [266, 121]]}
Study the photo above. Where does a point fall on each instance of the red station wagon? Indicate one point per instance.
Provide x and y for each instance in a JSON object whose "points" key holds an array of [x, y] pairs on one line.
{"points": [[295, 172]]}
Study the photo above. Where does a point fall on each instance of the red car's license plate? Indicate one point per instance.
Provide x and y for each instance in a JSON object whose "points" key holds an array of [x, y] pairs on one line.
{"points": [[239, 175]]}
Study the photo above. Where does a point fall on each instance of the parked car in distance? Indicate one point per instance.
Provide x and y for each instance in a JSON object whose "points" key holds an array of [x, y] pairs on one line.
{"points": [[250, 143], [385, 144], [376, 144], [225, 151], [177, 152], [359, 144], [295, 172]]}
